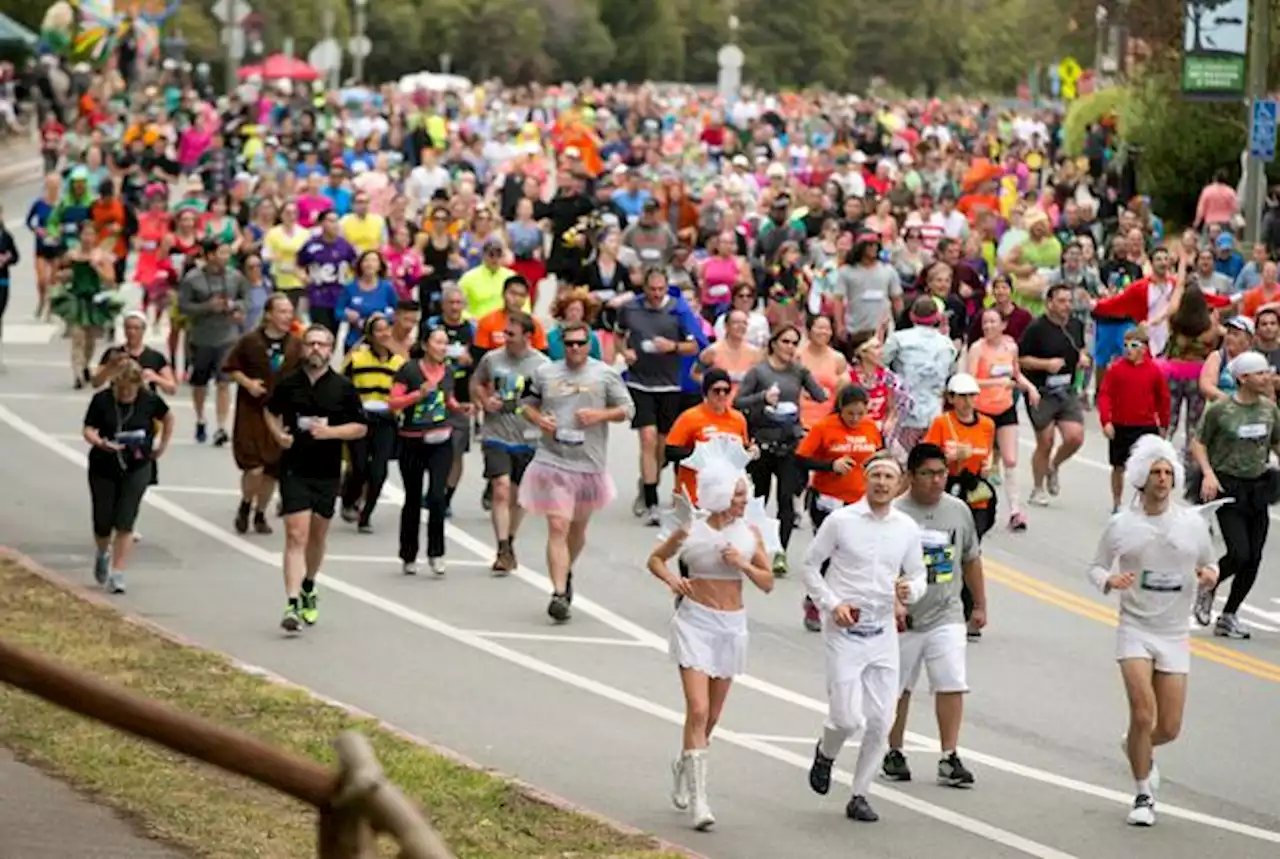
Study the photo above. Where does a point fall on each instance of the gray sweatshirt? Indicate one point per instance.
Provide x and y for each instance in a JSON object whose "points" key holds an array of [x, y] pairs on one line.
{"points": [[210, 326], [560, 391], [779, 422]]}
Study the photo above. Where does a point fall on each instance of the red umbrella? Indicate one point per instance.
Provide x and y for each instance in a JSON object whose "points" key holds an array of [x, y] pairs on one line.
{"points": [[281, 67]]}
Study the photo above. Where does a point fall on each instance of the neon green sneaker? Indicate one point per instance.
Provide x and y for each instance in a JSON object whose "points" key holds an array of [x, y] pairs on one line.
{"points": [[310, 607], [291, 622]]}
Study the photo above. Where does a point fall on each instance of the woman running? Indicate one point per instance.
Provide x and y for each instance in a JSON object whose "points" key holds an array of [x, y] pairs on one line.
{"points": [[49, 249], [371, 367], [87, 303], [717, 548], [993, 361], [732, 353], [826, 364]]}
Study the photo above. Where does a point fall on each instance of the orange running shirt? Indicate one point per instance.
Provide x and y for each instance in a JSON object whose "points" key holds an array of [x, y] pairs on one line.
{"points": [[697, 424], [830, 439], [950, 433]]}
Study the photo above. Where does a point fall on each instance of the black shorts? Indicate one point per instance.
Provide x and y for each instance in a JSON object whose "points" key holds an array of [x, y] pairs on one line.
{"points": [[460, 438], [504, 462], [1118, 448], [206, 364], [50, 252], [656, 409], [1007, 418], [116, 499], [299, 494]]}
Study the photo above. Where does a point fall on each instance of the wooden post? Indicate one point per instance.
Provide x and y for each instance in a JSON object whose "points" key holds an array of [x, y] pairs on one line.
{"points": [[184, 733]]}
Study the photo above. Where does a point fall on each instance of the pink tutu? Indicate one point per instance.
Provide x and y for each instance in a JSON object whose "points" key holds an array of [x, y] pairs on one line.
{"points": [[1177, 370], [553, 491]]}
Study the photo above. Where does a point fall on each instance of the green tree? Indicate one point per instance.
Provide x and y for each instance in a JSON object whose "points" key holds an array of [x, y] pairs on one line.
{"points": [[706, 31], [577, 41], [793, 45], [649, 39]]}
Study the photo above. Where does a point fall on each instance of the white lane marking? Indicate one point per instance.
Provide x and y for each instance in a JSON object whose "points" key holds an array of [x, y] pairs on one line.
{"points": [[31, 362], [195, 490], [388, 559], [561, 639], [782, 740], [971, 825], [82, 399], [393, 495]]}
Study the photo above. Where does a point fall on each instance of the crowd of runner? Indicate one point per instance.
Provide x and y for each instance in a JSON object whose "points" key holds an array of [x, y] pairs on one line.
{"points": [[819, 302]]}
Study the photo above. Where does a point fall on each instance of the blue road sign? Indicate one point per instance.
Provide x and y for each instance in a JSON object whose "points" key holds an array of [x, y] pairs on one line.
{"points": [[1262, 131]]}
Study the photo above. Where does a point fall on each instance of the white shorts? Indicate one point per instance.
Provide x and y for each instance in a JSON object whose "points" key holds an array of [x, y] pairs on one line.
{"points": [[1170, 654], [940, 651], [708, 640]]}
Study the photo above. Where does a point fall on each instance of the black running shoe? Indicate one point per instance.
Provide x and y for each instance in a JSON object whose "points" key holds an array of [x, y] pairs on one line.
{"points": [[953, 773], [559, 608], [220, 438], [895, 766], [820, 771], [859, 809], [242, 519]]}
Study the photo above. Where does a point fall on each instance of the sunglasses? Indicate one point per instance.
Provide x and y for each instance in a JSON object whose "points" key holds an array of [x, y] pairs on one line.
{"points": [[570, 344], [1134, 344], [719, 389]]}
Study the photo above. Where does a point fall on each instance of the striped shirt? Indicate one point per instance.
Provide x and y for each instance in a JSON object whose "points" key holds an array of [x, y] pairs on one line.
{"points": [[371, 375]]}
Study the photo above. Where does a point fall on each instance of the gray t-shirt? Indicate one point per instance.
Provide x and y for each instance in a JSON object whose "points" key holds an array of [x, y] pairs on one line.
{"points": [[560, 391], [511, 378], [868, 293], [947, 533]]}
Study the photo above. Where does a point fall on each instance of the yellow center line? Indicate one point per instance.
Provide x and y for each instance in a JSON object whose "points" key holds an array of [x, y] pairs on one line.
{"points": [[1103, 613]]}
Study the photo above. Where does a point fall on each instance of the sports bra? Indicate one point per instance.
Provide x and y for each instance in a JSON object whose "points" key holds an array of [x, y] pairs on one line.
{"points": [[702, 548]]}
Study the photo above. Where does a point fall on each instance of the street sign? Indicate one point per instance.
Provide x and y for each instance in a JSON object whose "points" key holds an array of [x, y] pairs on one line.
{"points": [[359, 46], [325, 56], [1262, 131], [231, 11], [1069, 72], [233, 40]]}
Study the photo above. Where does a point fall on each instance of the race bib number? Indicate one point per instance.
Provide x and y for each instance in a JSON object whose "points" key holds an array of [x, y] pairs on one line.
{"points": [[1001, 371], [720, 290], [873, 295], [939, 557], [1057, 381], [827, 503], [1162, 582], [1252, 432], [570, 436]]}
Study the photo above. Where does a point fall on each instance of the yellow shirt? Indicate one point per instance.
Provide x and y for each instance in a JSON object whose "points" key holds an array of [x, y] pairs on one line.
{"points": [[482, 289], [371, 375], [365, 234], [281, 250]]}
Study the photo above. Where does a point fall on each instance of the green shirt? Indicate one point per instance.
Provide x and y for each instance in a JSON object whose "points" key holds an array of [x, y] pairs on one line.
{"points": [[950, 540], [1238, 438]]}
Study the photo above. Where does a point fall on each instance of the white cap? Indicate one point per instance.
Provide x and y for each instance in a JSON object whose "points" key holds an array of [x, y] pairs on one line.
{"points": [[859, 157], [776, 170], [962, 384], [1248, 362]]}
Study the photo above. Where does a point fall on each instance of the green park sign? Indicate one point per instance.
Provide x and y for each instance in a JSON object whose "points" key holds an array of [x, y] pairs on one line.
{"points": [[1214, 44]]}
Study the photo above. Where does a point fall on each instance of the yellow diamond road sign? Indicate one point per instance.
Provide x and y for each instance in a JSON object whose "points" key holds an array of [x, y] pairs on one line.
{"points": [[1069, 70]]}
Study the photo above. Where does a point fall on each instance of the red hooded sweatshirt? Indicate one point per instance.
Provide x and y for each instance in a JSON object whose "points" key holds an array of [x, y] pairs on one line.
{"points": [[1134, 395]]}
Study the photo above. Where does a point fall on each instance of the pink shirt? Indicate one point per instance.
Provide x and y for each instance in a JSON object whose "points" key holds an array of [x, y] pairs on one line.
{"points": [[1218, 204], [404, 270], [310, 207]]}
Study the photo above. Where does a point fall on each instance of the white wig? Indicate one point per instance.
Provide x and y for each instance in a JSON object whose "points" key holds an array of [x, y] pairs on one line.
{"points": [[721, 465], [1145, 453]]}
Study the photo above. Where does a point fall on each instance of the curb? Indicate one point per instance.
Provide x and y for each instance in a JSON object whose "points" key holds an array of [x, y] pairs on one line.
{"points": [[527, 790]]}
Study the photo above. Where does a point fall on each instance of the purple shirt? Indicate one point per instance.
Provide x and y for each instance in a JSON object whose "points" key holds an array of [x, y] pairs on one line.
{"points": [[328, 266]]}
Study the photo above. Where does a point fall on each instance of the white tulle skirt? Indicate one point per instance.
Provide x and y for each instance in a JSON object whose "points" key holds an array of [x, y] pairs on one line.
{"points": [[707, 640]]}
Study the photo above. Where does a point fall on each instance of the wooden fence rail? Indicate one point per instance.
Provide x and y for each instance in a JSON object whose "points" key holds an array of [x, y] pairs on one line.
{"points": [[354, 802]]}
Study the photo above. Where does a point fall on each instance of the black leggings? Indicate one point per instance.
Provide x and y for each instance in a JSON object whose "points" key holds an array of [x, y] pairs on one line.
{"points": [[779, 462], [421, 464], [116, 499], [4, 304], [1244, 525], [326, 316], [370, 459]]}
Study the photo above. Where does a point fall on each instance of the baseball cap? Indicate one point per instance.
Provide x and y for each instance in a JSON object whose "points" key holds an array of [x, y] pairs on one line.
{"points": [[1240, 323], [1224, 241], [962, 384]]}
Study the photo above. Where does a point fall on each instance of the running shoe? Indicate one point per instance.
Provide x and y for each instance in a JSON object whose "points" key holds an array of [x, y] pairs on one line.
{"points": [[409, 568], [1052, 483], [291, 622], [859, 809], [894, 767], [820, 771], [780, 564], [653, 517], [1018, 522], [559, 608], [260, 525], [812, 619], [1143, 812], [115, 583], [310, 607], [1039, 498], [437, 566], [202, 433], [364, 528], [1203, 608], [638, 507], [505, 562], [1229, 627], [953, 773], [972, 633], [350, 514], [242, 519], [220, 438], [102, 567]]}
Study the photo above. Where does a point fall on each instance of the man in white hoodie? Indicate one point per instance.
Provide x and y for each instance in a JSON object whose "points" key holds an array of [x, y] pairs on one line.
{"points": [[1154, 552]]}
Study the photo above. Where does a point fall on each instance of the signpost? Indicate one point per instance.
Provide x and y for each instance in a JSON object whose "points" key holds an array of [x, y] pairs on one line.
{"points": [[231, 15], [1214, 42], [730, 60], [1262, 131], [1069, 73], [359, 46]]}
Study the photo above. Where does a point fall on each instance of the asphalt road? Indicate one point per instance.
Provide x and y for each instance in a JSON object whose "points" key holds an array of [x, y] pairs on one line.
{"points": [[591, 711]]}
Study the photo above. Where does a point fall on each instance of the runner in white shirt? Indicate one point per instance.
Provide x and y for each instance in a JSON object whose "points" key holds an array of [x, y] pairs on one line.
{"points": [[1154, 553], [876, 567]]}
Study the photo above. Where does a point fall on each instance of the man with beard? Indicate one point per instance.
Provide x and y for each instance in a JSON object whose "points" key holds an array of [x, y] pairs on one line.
{"points": [[311, 413], [257, 361]]}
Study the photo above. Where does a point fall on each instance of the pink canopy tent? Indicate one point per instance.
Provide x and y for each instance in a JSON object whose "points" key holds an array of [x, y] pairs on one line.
{"points": [[280, 67]]}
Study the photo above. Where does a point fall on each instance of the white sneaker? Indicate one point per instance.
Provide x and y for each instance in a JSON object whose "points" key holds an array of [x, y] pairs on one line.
{"points": [[1143, 812], [437, 565], [1051, 481], [1039, 498], [680, 783]]}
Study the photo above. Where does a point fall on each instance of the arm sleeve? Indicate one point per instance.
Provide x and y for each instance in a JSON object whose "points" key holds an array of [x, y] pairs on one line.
{"points": [[750, 393]]}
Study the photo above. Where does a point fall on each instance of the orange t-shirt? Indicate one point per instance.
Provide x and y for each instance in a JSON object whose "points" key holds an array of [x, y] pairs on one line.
{"points": [[491, 332], [830, 439], [949, 432], [697, 424], [109, 216], [1255, 299]]}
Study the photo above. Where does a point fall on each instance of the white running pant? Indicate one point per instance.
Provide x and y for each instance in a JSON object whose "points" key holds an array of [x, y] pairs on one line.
{"points": [[862, 694]]}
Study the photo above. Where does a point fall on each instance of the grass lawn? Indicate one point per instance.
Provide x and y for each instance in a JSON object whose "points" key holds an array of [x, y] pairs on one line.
{"points": [[216, 815]]}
